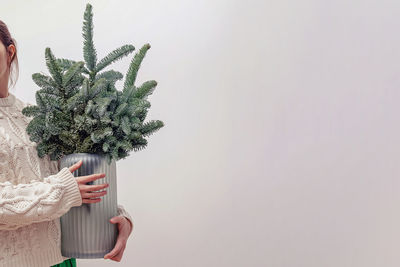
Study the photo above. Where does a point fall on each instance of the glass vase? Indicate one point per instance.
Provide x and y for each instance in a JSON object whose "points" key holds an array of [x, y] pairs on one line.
{"points": [[86, 231]]}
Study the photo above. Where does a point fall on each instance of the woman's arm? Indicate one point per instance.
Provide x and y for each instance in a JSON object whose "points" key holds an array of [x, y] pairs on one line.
{"points": [[38, 201]]}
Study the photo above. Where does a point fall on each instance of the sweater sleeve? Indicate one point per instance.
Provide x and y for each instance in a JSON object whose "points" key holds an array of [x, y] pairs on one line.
{"points": [[38, 201], [123, 212]]}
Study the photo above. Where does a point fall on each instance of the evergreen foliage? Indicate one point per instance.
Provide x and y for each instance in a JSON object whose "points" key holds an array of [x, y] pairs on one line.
{"points": [[79, 110]]}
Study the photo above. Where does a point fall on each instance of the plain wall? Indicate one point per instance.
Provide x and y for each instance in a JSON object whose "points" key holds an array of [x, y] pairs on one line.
{"points": [[281, 139]]}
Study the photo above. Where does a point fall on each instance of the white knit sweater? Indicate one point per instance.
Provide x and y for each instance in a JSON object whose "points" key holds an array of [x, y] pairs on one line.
{"points": [[34, 194]]}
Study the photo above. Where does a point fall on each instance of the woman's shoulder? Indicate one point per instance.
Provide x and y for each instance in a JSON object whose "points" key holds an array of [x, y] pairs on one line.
{"points": [[20, 104]]}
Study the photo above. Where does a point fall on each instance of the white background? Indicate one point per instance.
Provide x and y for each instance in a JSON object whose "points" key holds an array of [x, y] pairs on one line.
{"points": [[281, 138]]}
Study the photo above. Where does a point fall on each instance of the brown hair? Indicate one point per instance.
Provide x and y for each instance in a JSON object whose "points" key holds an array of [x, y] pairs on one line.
{"points": [[6, 39]]}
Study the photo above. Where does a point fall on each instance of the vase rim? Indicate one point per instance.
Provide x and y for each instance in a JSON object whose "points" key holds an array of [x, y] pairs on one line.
{"points": [[86, 154]]}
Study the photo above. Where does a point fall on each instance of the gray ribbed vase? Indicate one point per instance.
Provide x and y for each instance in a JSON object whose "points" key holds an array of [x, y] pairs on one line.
{"points": [[86, 231]]}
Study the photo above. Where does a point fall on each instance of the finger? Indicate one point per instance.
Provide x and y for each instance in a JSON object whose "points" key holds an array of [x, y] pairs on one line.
{"points": [[124, 228], [117, 219], [76, 166], [91, 177], [123, 223], [91, 200], [118, 246], [115, 250], [94, 194], [95, 187], [118, 257]]}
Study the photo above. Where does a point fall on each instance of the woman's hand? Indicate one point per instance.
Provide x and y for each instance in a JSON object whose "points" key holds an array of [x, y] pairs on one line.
{"points": [[124, 230], [89, 193]]}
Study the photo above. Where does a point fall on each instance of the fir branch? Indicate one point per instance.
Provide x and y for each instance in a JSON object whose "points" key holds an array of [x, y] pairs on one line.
{"points": [[145, 89], [43, 81], [36, 128], [89, 107], [84, 92], [80, 110], [74, 101], [31, 111], [97, 88], [72, 71], [89, 51], [102, 104], [127, 94], [130, 77], [110, 75], [120, 109], [114, 56], [139, 144], [87, 145], [65, 64], [53, 67], [39, 101], [100, 134], [126, 146], [51, 91], [72, 87], [150, 127], [125, 125]]}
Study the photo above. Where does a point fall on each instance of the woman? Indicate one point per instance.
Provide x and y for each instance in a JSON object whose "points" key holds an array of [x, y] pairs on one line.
{"points": [[34, 193]]}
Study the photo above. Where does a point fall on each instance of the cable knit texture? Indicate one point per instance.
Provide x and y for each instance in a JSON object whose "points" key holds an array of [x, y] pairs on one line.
{"points": [[34, 194]]}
